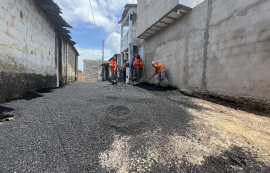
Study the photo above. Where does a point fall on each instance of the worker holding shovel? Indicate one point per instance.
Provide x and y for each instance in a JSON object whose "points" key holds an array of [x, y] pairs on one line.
{"points": [[161, 71]]}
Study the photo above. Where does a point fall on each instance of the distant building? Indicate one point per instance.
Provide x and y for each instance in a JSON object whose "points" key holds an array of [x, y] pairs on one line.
{"points": [[36, 50], [91, 70], [80, 76]]}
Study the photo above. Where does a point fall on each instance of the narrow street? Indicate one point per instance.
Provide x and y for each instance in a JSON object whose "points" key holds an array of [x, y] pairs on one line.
{"points": [[97, 127]]}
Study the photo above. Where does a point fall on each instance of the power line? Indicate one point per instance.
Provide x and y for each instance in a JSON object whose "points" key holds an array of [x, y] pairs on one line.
{"points": [[112, 31], [94, 21], [116, 26]]}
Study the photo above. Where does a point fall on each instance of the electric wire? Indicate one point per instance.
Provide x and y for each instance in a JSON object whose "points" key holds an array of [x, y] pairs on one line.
{"points": [[115, 27], [94, 21], [111, 32]]}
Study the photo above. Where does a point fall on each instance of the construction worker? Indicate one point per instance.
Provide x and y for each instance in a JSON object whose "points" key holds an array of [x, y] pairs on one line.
{"points": [[124, 69], [161, 71], [138, 66], [132, 69], [113, 65]]}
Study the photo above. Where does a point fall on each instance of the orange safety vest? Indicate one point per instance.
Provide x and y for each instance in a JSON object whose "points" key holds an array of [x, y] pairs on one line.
{"points": [[158, 66], [113, 65], [138, 63]]}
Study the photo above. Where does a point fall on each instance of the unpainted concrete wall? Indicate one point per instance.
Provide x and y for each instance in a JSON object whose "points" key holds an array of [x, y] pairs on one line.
{"points": [[221, 48], [64, 62], [91, 69], [71, 65], [27, 49], [151, 12]]}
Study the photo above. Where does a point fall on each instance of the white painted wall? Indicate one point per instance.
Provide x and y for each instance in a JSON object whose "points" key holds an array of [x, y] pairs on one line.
{"points": [[27, 39], [27, 49]]}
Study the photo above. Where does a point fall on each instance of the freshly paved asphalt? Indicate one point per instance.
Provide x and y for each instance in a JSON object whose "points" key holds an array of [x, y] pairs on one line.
{"points": [[66, 129]]}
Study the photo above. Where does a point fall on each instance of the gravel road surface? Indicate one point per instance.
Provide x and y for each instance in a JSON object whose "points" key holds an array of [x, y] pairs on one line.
{"points": [[97, 127]]}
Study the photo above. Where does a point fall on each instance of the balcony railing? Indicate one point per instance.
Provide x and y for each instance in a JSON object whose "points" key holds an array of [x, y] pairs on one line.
{"points": [[125, 40]]}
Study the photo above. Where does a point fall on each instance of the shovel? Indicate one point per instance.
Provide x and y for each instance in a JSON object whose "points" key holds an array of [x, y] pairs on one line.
{"points": [[151, 78]]}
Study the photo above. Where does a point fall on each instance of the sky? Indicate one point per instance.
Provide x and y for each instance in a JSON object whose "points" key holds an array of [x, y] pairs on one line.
{"points": [[87, 32], [94, 23]]}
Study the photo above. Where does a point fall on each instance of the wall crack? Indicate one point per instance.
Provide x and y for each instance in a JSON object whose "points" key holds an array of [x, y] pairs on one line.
{"points": [[206, 42]]}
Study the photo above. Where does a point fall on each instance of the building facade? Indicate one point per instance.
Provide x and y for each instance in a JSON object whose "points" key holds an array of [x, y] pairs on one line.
{"points": [[36, 50], [129, 42], [219, 48], [80, 76], [91, 70]]}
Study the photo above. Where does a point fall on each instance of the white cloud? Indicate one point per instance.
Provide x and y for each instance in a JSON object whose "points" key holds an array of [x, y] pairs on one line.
{"points": [[113, 43], [106, 12]]}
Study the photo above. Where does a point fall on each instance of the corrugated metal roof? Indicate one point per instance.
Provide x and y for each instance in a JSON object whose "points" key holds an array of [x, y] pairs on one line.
{"points": [[53, 11]]}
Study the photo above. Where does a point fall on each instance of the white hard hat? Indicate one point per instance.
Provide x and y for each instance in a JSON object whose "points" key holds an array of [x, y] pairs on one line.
{"points": [[153, 62]]}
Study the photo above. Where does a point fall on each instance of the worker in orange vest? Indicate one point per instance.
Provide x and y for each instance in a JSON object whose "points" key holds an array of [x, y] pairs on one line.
{"points": [[113, 65], [161, 71], [138, 67]]}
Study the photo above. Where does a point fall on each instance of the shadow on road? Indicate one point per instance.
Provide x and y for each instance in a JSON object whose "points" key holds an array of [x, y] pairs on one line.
{"points": [[33, 95], [5, 109], [151, 87], [4, 112], [46, 90]]}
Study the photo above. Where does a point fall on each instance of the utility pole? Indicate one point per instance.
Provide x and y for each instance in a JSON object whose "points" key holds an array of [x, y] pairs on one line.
{"points": [[102, 47], [102, 50]]}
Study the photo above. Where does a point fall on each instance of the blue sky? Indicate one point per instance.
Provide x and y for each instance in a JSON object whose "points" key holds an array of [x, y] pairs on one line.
{"points": [[88, 32]]}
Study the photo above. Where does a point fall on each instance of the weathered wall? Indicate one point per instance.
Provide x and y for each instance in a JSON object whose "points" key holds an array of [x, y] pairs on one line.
{"points": [[221, 48], [239, 50], [90, 70], [27, 49], [71, 65], [64, 62]]}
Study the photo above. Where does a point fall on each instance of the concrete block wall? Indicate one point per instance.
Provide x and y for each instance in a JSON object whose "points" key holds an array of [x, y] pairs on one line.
{"points": [[239, 50], [221, 48], [151, 12], [27, 49], [91, 69]]}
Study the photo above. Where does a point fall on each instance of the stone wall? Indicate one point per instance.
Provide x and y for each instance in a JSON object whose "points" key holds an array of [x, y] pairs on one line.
{"points": [[27, 49], [221, 48]]}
